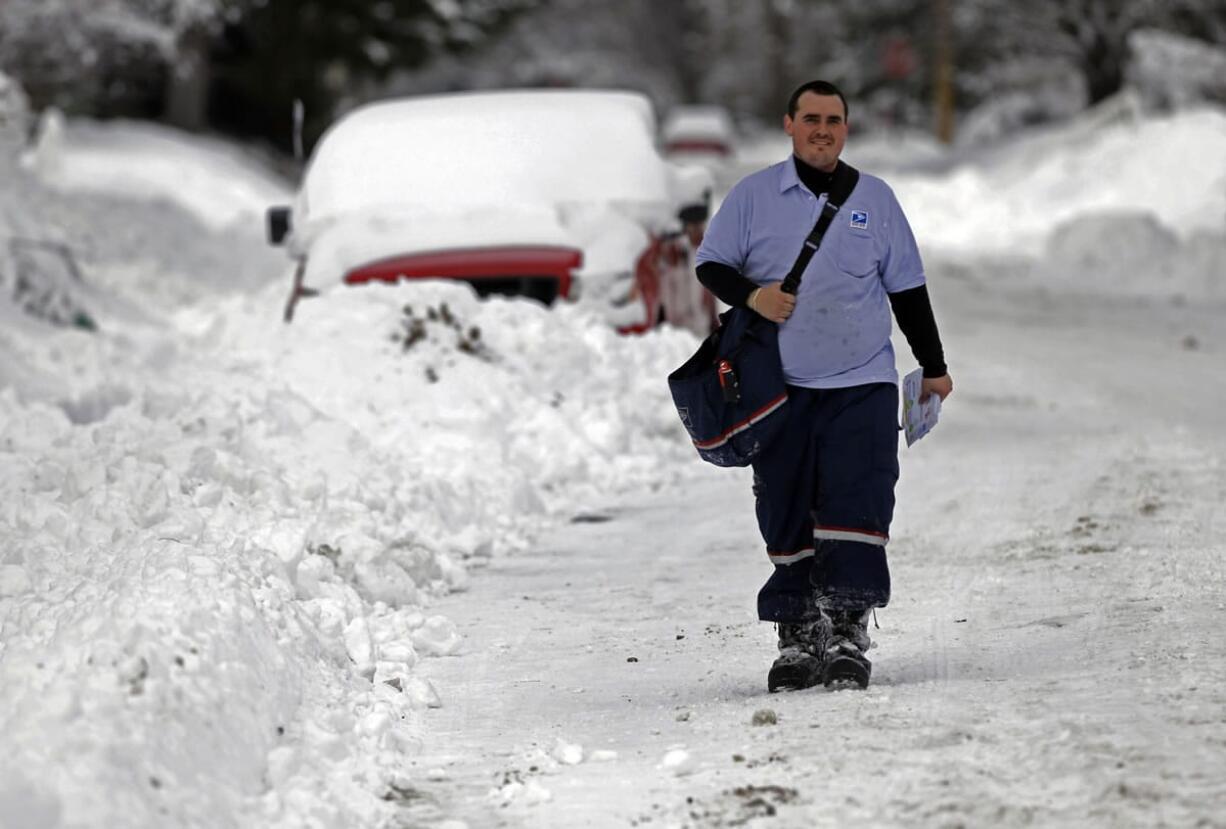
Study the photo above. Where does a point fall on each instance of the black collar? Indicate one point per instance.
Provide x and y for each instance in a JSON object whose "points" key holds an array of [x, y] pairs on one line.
{"points": [[816, 180]]}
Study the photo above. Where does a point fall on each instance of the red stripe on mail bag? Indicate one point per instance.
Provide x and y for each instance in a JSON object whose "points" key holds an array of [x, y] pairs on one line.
{"points": [[744, 424]]}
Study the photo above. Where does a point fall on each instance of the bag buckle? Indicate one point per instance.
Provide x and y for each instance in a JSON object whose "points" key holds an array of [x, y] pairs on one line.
{"points": [[728, 382]]}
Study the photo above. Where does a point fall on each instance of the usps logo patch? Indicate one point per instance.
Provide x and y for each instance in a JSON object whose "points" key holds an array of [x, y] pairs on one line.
{"points": [[859, 219], [685, 416]]}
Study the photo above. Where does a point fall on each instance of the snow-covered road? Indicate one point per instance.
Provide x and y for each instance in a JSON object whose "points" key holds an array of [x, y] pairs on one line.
{"points": [[1051, 657]]}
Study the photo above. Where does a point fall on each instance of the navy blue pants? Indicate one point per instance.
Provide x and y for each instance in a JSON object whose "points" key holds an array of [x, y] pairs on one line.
{"points": [[825, 497]]}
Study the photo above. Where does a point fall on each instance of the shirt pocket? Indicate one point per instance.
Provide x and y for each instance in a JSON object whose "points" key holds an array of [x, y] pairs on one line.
{"points": [[856, 254]]}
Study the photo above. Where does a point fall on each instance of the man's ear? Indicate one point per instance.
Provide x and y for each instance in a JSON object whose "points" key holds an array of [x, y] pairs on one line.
{"points": [[787, 124]]}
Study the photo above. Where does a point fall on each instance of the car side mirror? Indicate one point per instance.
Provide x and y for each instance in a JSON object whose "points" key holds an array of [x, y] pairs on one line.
{"points": [[278, 224]]}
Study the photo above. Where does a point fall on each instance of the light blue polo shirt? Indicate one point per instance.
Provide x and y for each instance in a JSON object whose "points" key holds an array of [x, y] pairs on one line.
{"points": [[839, 333]]}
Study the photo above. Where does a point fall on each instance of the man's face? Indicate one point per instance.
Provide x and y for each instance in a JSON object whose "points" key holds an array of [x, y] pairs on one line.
{"points": [[818, 131]]}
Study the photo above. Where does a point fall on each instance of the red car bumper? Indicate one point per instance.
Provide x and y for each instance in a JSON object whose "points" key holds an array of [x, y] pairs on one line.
{"points": [[538, 271]]}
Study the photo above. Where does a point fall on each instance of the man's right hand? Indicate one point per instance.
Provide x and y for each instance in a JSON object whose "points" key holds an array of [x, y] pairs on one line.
{"points": [[771, 302]]}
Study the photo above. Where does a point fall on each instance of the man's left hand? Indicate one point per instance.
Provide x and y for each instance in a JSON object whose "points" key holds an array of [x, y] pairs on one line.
{"points": [[940, 386]]}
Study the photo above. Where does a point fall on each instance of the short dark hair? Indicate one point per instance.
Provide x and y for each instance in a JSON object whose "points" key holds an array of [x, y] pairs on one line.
{"points": [[818, 87]]}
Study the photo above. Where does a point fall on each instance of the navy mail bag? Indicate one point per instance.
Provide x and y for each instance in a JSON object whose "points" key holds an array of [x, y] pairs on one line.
{"points": [[731, 393]]}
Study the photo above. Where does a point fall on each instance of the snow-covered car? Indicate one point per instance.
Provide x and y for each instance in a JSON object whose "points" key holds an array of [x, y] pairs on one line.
{"points": [[699, 132], [555, 195]]}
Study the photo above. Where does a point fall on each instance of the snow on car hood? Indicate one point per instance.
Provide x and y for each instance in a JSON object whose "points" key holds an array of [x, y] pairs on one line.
{"points": [[345, 242]]}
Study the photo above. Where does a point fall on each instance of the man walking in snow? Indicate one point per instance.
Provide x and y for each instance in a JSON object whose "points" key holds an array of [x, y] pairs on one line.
{"points": [[825, 488]]}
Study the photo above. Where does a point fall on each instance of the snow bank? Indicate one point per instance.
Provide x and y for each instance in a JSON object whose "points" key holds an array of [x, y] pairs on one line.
{"points": [[1010, 200], [219, 554], [209, 178], [1131, 253], [222, 535], [551, 397]]}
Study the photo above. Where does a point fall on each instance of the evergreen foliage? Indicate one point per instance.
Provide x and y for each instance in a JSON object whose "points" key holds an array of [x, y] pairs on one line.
{"points": [[319, 51]]}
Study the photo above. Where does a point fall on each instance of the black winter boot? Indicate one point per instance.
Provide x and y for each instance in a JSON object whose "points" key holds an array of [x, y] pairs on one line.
{"points": [[845, 661], [802, 646]]}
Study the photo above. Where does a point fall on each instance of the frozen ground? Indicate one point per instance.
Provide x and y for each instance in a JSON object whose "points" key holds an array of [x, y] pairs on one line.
{"points": [[1051, 657], [419, 560]]}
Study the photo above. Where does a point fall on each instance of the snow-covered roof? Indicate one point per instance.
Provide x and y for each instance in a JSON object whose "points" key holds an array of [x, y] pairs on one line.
{"points": [[523, 147]]}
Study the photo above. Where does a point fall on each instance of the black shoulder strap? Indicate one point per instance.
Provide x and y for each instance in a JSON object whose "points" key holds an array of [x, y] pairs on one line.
{"points": [[841, 184]]}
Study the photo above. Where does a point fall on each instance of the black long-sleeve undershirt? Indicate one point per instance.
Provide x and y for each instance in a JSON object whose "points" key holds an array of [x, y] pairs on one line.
{"points": [[912, 309], [726, 283]]}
